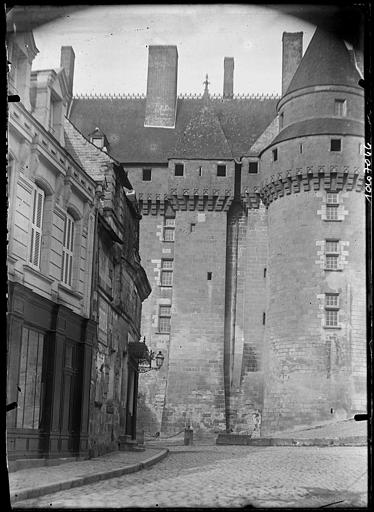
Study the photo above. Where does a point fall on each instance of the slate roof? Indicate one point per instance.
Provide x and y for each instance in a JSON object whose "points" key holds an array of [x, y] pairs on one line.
{"points": [[326, 62], [319, 126], [91, 158], [203, 137], [122, 120]]}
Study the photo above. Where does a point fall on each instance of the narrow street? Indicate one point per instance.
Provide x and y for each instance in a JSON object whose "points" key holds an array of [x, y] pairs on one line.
{"points": [[231, 476]]}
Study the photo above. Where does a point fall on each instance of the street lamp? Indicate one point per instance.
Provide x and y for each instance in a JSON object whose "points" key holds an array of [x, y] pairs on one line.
{"points": [[145, 364]]}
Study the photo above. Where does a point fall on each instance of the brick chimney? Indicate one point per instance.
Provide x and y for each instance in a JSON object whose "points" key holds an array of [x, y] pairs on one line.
{"points": [[291, 56], [67, 62], [161, 103], [228, 77]]}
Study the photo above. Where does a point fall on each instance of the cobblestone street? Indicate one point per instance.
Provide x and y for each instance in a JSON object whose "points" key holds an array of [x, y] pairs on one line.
{"points": [[231, 476]]}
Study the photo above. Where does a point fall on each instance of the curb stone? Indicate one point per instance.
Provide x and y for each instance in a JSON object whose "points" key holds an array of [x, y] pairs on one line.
{"points": [[239, 439], [36, 492]]}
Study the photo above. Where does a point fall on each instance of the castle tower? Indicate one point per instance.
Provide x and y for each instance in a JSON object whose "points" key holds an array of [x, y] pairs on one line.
{"points": [[312, 175]]}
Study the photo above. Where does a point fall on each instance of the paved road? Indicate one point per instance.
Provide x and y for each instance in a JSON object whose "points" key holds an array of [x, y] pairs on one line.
{"points": [[231, 476]]}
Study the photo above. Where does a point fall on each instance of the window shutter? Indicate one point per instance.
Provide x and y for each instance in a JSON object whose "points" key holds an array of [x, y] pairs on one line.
{"points": [[36, 227], [67, 251]]}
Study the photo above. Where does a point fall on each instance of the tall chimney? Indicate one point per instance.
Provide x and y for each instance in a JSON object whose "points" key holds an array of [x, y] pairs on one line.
{"points": [[291, 57], [228, 77], [161, 103], [67, 61]]}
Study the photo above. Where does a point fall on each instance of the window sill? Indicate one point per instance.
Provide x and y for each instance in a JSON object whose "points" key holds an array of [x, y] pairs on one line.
{"points": [[333, 269], [70, 290], [168, 241], [166, 286], [332, 327], [332, 220], [37, 272], [162, 333]]}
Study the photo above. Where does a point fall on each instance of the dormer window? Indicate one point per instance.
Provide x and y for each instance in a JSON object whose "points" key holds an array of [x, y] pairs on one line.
{"points": [[97, 137], [98, 141]]}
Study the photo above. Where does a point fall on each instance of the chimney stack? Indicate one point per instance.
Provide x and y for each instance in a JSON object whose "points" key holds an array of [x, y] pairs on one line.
{"points": [[228, 77], [291, 57], [67, 61], [161, 102]]}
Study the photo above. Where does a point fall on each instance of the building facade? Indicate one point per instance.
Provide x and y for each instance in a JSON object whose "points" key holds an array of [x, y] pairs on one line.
{"points": [[75, 282], [253, 238]]}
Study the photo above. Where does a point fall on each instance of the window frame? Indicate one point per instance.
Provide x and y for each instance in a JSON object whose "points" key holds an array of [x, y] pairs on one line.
{"points": [[167, 271], [332, 140], [332, 255], [181, 168], [169, 227], [249, 167], [221, 168], [163, 316], [146, 170], [275, 154], [332, 310], [340, 111]]}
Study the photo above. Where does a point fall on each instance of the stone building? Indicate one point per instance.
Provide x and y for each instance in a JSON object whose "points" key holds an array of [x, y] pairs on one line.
{"points": [[253, 240], [75, 282]]}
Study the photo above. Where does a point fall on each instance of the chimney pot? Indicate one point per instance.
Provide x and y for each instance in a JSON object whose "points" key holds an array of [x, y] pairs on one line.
{"points": [[291, 57], [228, 77]]}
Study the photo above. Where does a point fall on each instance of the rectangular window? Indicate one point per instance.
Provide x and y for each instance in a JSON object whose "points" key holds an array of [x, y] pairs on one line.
{"points": [[200, 170], [281, 120], [335, 145], [331, 262], [331, 300], [67, 251], [340, 108], [332, 198], [36, 227], [275, 155], [209, 276], [166, 272], [192, 227], [30, 377], [164, 319], [253, 167], [179, 169], [147, 174], [331, 212], [331, 316], [300, 148], [169, 229], [221, 170], [332, 246]]}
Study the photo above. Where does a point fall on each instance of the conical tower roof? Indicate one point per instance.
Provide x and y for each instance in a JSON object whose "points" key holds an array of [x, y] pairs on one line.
{"points": [[326, 62]]}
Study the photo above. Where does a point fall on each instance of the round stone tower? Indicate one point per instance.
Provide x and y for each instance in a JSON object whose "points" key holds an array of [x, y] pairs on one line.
{"points": [[315, 341]]}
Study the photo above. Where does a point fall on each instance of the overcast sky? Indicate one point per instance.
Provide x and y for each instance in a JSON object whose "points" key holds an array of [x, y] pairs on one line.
{"points": [[110, 44]]}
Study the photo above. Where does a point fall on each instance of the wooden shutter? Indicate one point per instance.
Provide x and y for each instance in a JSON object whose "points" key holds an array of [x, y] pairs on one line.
{"points": [[36, 226], [67, 251]]}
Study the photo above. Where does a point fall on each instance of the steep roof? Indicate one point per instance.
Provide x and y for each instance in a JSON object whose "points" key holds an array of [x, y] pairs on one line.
{"points": [[203, 137], [92, 159], [326, 62], [242, 120]]}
